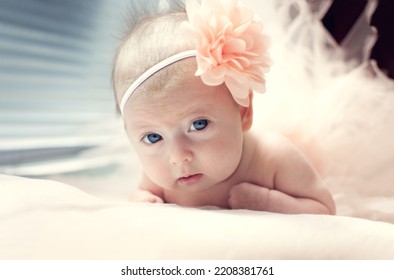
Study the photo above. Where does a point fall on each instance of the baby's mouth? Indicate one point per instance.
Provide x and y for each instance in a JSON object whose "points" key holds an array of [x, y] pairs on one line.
{"points": [[190, 179]]}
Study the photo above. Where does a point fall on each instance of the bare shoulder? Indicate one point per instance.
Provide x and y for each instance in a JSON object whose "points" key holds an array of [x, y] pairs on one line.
{"points": [[273, 141], [282, 157], [272, 148], [267, 152], [276, 150], [286, 167]]}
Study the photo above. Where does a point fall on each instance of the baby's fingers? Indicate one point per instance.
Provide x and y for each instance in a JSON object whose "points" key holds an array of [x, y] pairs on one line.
{"points": [[145, 196], [155, 199]]}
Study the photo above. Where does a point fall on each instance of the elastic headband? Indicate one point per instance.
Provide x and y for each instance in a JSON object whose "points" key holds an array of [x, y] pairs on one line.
{"points": [[155, 68]]}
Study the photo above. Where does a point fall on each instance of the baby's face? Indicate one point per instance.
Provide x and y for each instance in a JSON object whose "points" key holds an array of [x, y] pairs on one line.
{"points": [[189, 138]]}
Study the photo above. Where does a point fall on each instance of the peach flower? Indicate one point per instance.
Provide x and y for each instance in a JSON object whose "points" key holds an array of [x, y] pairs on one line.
{"points": [[231, 47]]}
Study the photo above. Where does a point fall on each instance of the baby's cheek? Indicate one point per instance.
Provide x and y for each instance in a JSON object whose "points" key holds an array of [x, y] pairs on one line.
{"points": [[223, 159], [157, 172]]}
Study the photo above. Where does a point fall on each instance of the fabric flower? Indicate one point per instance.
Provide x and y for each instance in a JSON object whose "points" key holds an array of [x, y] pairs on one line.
{"points": [[230, 46]]}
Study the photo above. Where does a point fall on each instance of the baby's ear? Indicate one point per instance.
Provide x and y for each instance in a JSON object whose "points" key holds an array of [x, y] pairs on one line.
{"points": [[247, 114]]}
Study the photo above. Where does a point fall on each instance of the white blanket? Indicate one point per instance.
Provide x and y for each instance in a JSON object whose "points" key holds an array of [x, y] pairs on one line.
{"points": [[43, 219]]}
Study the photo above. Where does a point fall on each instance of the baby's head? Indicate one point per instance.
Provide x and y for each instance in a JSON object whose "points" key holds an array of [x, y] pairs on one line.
{"points": [[152, 40], [187, 117]]}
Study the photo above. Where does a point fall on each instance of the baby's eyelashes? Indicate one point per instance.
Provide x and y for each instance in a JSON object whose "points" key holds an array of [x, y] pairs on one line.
{"points": [[151, 138], [199, 125]]}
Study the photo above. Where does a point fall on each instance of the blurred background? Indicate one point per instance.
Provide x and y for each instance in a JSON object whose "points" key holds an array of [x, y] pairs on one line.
{"points": [[57, 111], [56, 101]]}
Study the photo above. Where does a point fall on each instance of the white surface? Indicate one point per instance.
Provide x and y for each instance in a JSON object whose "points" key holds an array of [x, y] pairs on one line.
{"points": [[49, 220]]}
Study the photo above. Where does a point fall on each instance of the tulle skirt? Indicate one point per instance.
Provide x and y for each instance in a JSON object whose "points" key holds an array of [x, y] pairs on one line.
{"points": [[334, 103]]}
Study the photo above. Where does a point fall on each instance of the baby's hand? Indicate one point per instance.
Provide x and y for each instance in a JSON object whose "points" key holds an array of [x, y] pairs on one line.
{"points": [[145, 196], [248, 196]]}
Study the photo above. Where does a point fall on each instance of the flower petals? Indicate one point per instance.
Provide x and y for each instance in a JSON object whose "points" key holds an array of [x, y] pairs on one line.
{"points": [[231, 47]]}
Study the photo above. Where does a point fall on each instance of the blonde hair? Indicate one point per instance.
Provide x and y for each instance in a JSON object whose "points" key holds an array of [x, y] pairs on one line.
{"points": [[152, 40]]}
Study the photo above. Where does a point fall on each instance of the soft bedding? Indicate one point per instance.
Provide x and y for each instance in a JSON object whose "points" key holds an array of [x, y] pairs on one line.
{"points": [[329, 99], [44, 219]]}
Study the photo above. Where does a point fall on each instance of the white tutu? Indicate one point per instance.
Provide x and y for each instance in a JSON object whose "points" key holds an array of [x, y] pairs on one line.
{"points": [[335, 104]]}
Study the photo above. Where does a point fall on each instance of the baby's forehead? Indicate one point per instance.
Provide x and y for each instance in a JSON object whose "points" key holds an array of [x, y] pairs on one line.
{"points": [[171, 100], [179, 101]]}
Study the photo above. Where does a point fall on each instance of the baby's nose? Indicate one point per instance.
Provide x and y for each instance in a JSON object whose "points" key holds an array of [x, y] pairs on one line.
{"points": [[180, 153]]}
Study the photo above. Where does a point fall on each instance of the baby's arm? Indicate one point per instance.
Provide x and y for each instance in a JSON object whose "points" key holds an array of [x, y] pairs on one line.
{"points": [[147, 192], [297, 188], [254, 197]]}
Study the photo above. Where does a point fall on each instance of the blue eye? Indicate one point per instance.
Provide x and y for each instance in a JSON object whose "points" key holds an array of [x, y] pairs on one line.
{"points": [[152, 138], [199, 125]]}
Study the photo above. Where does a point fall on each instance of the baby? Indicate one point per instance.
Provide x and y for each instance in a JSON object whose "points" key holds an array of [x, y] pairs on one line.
{"points": [[184, 85]]}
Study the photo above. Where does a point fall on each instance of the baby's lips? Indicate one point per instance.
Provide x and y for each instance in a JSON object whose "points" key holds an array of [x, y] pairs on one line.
{"points": [[190, 179]]}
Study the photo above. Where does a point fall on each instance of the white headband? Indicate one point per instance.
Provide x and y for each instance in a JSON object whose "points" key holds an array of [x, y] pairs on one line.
{"points": [[150, 72]]}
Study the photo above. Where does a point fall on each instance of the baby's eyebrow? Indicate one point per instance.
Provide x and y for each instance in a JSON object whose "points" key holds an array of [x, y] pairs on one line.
{"points": [[142, 122], [141, 125], [198, 109]]}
